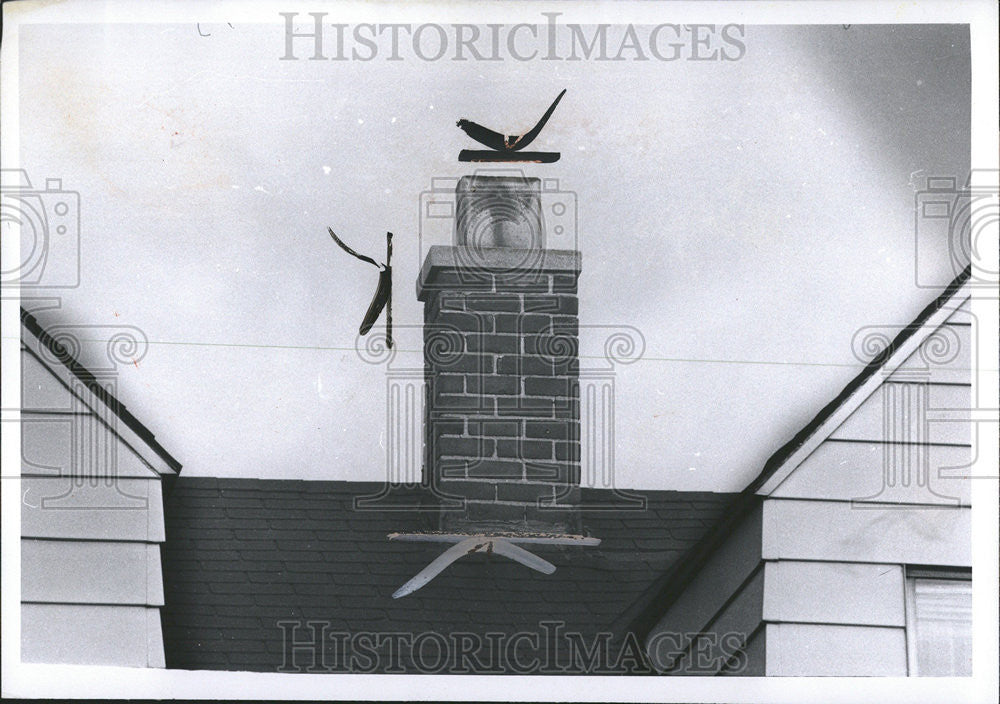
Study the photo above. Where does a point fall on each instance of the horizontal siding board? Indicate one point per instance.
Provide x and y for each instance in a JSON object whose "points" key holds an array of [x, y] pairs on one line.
{"points": [[82, 572], [155, 652], [76, 446], [925, 413], [154, 576], [963, 314], [42, 391], [90, 634], [718, 580], [944, 357], [868, 471], [106, 509], [156, 529], [810, 650], [834, 592], [844, 532]]}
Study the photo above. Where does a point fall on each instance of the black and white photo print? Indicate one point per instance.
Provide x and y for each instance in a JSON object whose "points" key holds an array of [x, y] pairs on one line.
{"points": [[500, 350]]}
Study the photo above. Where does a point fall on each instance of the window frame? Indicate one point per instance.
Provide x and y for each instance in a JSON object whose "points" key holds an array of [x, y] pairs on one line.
{"points": [[911, 573]]}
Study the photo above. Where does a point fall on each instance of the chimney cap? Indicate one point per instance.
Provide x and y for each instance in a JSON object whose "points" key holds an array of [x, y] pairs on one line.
{"points": [[447, 267]]}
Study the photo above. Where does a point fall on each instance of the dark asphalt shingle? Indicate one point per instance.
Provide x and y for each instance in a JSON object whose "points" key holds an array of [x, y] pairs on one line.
{"points": [[243, 555]]}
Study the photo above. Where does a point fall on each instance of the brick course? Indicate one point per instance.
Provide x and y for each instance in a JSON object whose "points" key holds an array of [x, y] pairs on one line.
{"points": [[500, 352]]}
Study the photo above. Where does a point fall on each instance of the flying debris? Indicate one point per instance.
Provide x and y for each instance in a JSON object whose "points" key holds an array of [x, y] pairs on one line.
{"points": [[383, 293], [507, 148]]}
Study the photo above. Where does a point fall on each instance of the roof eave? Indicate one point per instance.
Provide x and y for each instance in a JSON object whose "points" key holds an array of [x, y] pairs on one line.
{"points": [[104, 404], [662, 594]]}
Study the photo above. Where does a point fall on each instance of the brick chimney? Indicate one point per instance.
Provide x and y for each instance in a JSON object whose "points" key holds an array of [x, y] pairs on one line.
{"points": [[502, 424]]}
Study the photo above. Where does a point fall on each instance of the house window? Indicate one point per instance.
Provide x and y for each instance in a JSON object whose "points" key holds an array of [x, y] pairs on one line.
{"points": [[939, 622]]}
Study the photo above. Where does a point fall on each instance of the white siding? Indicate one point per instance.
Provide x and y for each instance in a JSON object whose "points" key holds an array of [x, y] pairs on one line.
{"points": [[944, 357], [882, 483], [91, 521], [807, 650], [840, 531], [83, 572], [869, 471], [105, 509], [42, 391], [834, 592], [91, 403], [91, 635], [922, 413], [76, 445]]}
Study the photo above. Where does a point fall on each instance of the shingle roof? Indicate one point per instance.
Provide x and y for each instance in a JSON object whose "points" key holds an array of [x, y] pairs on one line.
{"points": [[243, 556]]}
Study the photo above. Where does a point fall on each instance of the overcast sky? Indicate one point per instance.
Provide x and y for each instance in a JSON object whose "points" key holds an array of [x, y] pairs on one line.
{"points": [[746, 216]]}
